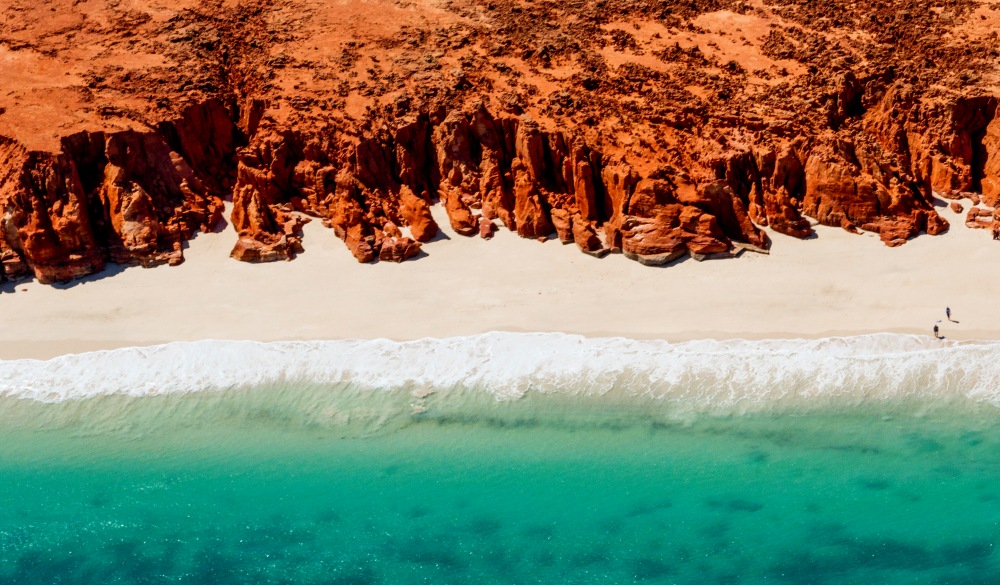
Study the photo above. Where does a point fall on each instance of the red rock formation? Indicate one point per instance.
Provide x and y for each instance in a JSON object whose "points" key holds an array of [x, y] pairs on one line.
{"points": [[478, 167], [508, 114], [965, 157], [397, 249], [536, 182], [656, 223], [416, 213], [986, 161], [266, 233], [979, 218], [586, 238], [778, 205], [951, 147], [462, 220], [126, 197], [46, 225], [847, 186], [486, 228], [530, 215], [718, 200], [347, 217]]}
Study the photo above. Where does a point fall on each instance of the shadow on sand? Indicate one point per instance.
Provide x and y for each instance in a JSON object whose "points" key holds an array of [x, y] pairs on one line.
{"points": [[11, 286], [439, 236], [110, 270]]}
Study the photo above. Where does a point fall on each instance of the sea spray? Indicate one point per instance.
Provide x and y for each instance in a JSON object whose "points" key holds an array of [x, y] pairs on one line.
{"points": [[708, 376]]}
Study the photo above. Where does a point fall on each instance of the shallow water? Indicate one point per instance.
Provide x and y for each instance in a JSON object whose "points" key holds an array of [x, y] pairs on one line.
{"points": [[328, 485]]}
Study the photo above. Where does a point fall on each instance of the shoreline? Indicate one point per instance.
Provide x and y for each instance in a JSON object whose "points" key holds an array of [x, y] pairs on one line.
{"points": [[361, 378], [46, 350], [837, 284]]}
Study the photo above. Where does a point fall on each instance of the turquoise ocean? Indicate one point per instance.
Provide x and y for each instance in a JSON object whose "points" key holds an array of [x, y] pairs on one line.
{"points": [[504, 458]]}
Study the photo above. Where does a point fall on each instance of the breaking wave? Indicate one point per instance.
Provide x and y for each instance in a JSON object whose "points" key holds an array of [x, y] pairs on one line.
{"points": [[720, 376]]}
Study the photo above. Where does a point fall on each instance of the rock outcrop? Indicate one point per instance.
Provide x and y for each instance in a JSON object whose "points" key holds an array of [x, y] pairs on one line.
{"points": [[127, 197], [614, 127]]}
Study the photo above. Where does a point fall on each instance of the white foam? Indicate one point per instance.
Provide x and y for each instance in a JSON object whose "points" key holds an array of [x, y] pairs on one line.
{"points": [[714, 374]]}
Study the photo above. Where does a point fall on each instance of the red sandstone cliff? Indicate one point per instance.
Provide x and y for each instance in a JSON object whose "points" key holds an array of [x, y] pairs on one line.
{"points": [[126, 196], [658, 131]]}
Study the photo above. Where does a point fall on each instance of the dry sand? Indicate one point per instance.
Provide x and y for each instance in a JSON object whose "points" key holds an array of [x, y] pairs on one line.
{"points": [[835, 284]]}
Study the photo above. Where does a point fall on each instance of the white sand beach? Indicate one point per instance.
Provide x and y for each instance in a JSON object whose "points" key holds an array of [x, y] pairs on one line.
{"points": [[835, 284]]}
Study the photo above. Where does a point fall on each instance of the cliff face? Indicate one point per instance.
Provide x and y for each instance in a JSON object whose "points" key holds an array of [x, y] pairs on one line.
{"points": [[484, 170], [127, 197], [670, 130]]}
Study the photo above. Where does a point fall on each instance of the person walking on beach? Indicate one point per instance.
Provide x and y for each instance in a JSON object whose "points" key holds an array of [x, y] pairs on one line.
{"points": [[947, 312], [936, 331]]}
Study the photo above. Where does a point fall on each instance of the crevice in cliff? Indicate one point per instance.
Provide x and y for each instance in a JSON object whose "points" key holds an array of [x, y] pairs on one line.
{"points": [[985, 162]]}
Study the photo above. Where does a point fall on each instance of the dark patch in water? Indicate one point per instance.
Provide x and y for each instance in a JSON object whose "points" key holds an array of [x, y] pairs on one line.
{"points": [[887, 555], [715, 530], [856, 448], [735, 505], [972, 438], [910, 496], [659, 426], [948, 471], [615, 425], [727, 579], [890, 553], [539, 532], [364, 575], [499, 559], [486, 421], [966, 552], [648, 508], [431, 550], [803, 567], [595, 556], [646, 569], [213, 566], [36, 566], [874, 483], [100, 500], [329, 516], [418, 512], [136, 564], [684, 553], [924, 445], [277, 534], [484, 526], [545, 558], [828, 532]]}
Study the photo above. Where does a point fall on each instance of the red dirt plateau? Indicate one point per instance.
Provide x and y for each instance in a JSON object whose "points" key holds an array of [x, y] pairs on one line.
{"points": [[655, 129]]}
